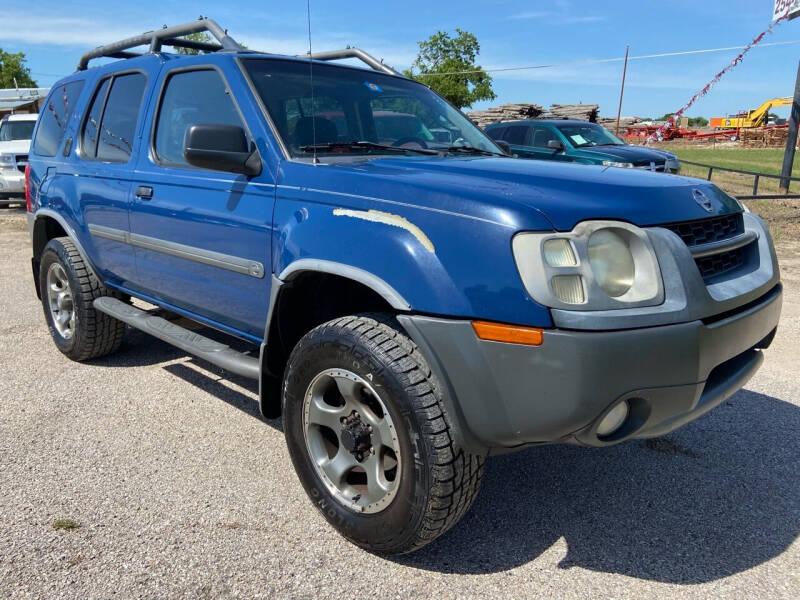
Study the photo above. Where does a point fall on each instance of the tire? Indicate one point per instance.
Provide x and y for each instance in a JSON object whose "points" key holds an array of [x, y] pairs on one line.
{"points": [[87, 333], [438, 480]]}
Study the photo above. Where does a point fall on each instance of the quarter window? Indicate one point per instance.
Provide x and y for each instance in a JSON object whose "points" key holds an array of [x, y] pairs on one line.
{"points": [[54, 117], [191, 98], [496, 133], [110, 126], [515, 135]]}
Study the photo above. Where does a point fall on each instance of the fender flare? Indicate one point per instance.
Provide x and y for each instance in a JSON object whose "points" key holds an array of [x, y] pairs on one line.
{"points": [[47, 212], [305, 265]]}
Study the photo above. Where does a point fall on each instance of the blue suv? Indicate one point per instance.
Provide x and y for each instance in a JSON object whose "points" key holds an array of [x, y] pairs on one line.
{"points": [[409, 298]]}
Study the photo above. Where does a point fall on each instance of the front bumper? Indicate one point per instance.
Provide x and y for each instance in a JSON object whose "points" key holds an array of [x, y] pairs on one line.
{"points": [[505, 396], [11, 182]]}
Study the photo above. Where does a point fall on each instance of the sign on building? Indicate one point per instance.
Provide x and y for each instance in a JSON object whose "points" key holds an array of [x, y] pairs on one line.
{"points": [[781, 6]]}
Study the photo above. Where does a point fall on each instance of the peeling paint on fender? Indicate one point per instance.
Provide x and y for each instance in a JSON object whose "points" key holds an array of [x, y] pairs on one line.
{"points": [[377, 216]]}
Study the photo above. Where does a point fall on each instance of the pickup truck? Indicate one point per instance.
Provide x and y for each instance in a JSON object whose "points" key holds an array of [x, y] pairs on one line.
{"points": [[15, 141], [409, 305]]}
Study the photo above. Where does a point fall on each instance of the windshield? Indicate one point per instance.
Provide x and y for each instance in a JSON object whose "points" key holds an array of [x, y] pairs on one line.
{"points": [[16, 130], [357, 105], [588, 135]]}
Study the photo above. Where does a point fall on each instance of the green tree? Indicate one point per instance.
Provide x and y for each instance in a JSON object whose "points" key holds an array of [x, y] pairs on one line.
{"points": [[447, 65], [201, 36], [12, 66], [698, 122]]}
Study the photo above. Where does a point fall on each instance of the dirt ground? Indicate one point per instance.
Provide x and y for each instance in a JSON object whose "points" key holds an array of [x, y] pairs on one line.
{"points": [[150, 474]]}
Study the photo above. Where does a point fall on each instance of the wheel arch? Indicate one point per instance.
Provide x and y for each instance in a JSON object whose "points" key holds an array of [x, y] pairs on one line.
{"points": [[307, 293], [48, 224]]}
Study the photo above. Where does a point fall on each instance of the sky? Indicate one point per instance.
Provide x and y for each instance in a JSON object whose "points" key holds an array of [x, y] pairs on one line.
{"points": [[511, 33]]}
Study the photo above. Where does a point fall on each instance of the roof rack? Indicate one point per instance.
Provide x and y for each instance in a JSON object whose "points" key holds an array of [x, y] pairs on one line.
{"points": [[168, 36], [364, 57]]}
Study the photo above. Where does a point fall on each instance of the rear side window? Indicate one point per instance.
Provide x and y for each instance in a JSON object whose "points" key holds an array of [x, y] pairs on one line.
{"points": [[496, 133], [111, 123], [54, 117], [191, 98], [515, 135]]}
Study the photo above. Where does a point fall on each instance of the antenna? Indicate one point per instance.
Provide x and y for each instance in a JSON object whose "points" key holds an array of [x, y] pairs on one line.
{"points": [[315, 160]]}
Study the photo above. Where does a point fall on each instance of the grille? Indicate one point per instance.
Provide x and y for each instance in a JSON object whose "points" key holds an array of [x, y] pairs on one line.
{"points": [[704, 231], [659, 166], [716, 264]]}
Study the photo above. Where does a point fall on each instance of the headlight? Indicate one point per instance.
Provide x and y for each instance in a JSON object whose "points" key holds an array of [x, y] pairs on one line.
{"points": [[600, 265], [6, 159], [612, 262], [611, 163]]}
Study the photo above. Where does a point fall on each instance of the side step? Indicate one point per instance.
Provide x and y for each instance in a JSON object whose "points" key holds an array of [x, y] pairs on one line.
{"points": [[202, 347]]}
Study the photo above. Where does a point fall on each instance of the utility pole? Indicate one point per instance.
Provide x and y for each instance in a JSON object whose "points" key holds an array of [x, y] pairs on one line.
{"points": [[622, 89], [791, 138]]}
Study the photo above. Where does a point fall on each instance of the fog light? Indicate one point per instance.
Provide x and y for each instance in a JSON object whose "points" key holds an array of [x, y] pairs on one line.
{"points": [[613, 420]]}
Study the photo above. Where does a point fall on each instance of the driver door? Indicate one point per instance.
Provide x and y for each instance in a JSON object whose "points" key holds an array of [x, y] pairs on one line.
{"points": [[202, 237]]}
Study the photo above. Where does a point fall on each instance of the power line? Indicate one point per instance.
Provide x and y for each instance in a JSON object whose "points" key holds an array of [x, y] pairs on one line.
{"points": [[594, 61]]}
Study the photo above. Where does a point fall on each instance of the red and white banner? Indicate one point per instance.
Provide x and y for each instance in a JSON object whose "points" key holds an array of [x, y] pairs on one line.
{"points": [[659, 134], [788, 8]]}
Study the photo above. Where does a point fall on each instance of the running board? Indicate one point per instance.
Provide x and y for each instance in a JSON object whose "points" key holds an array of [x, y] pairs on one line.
{"points": [[202, 347]]}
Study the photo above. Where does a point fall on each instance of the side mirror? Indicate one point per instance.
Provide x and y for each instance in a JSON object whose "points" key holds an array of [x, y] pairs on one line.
{"points": [[504, 146], [221, 148], [555, 145]]}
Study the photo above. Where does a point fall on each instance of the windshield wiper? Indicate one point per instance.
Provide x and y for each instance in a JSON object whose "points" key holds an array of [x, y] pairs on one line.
{"points": [[364, 144], [473, 150]]}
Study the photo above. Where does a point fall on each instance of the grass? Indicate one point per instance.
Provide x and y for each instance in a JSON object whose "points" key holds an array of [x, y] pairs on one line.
{"points": [[65, 525], [782, 216]]}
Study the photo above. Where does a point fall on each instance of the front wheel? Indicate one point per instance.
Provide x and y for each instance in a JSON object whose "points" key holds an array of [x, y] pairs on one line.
{"points": [[369, 438]]}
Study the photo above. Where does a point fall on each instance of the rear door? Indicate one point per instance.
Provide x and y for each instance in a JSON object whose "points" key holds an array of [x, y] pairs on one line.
{"points": [[202, 237], [106, 143]]}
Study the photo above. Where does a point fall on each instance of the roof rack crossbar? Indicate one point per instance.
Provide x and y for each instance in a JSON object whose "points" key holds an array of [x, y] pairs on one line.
{"points": [[364, 57], [168, 36]]}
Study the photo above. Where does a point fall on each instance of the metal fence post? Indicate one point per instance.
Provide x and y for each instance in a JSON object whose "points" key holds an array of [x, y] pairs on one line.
{"points": [[791, 138], [755, 185]]}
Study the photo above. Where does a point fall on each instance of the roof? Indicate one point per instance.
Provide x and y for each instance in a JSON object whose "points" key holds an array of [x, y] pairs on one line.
{"points": [[540, 121], [14, 99], [21, 117]]}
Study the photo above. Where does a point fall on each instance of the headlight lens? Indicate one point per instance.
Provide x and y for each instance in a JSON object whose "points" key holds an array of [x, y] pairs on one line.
{"points": [[6, 159], [611, 163], [599, 265], [612, 262]]}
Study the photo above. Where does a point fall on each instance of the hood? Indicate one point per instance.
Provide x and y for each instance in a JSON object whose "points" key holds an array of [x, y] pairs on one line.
{"points": [[15, 147], [638, 155], [510, 190]]}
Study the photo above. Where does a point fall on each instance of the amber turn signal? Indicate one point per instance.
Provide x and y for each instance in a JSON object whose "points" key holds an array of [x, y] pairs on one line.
{"points": [[511, 334]]}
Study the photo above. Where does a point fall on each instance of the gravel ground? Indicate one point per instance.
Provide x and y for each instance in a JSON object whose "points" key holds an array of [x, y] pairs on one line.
{"points": [[181, 490]]}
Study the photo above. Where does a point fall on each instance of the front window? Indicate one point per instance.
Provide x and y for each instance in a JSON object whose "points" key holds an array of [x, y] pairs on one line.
{"points": [[589, 135], [16, 130], [381, 114]]}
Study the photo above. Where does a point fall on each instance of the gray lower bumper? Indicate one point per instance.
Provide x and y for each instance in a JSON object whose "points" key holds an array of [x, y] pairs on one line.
{"points": [[509, 395]]}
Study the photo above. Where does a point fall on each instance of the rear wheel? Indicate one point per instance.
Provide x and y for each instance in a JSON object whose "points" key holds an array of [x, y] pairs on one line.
{"points": [[68, 288], [369, 437]]}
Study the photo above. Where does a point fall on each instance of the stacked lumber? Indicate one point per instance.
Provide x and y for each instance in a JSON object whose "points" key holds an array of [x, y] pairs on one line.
{"points": [[610, 123], [581, 112], [764, 137], [506, 112]]}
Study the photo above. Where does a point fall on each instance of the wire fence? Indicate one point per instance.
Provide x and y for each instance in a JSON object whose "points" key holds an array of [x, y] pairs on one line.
{"points": [[736, 181]]}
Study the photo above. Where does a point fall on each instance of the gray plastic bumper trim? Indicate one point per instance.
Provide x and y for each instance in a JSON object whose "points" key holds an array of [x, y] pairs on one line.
{"points": [[510, 395]]}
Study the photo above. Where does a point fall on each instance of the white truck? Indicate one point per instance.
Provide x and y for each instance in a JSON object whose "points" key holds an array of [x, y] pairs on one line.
{"points": [[15, 142]]}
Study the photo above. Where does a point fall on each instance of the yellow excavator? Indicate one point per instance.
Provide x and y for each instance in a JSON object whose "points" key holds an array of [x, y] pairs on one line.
{"points": [[752, 118]]}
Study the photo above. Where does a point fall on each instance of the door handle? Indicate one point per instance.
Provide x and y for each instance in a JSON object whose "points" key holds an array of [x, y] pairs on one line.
{"points": [[144, 192]]}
